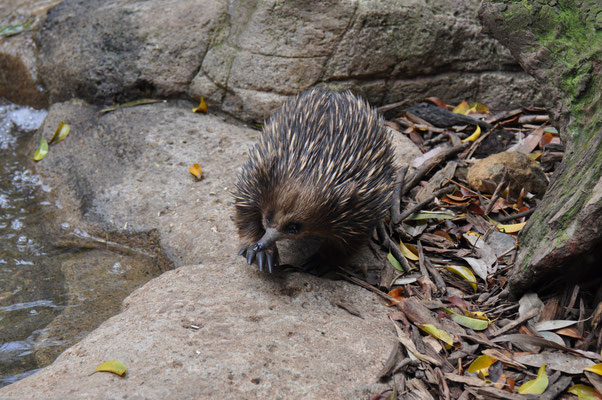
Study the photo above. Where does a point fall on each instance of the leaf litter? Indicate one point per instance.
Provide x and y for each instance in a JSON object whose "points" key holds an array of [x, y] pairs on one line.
{"points": [[451, 249]]}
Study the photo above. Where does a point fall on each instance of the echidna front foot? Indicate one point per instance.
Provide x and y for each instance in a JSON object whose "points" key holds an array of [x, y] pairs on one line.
{"points": [[265, 257]]}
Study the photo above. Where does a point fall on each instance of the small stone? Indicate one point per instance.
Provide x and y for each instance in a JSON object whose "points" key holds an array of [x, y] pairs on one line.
{"points": [[484, 175]]}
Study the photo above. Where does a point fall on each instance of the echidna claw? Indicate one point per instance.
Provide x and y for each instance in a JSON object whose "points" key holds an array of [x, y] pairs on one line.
{"points": [[250, 256], [242, 251], [261, 259]]}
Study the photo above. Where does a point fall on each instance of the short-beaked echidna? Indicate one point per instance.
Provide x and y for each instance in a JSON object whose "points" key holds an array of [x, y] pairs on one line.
{"points": [[323, 167]]}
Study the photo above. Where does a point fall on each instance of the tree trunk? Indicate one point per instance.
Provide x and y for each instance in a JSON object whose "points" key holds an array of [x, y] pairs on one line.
{"points": [[559, 42]]}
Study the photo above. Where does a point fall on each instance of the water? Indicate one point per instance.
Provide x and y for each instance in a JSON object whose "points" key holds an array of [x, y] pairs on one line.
{"points": [[57, 282]]}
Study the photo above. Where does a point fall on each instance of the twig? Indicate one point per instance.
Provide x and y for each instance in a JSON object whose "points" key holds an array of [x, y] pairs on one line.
{"points": [[436, 276], [396, 201], [420, 205], [386, 240], [530, 314], [477, 142], [496, 193], [507, 218], [430, 164]]}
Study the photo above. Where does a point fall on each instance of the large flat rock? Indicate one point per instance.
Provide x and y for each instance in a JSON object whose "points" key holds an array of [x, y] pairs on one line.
{"points": [[224, 331]]}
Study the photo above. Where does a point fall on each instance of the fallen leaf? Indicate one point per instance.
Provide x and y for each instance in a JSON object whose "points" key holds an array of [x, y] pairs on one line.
{"points": [[432, 215], [114, 366], [596, 369], [408, 251], [465, 273], [133, 103], [472, 323], [11, 30], [479, 108], [475, 135], [41, 151], [557, 361], [438, 333], [461, 108], [202, 106], [509, 228], [61, 132], [196, 171], [585, 392], [553, 325], [537, 385], [482, 364], [394, 262]]}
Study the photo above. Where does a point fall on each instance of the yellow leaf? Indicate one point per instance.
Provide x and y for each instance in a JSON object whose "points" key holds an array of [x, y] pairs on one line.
{"points": [[537, 385], [114, 366], [596, 369], [202, 106], [41, 151], [482, 364], [462, 108], [196, 171], [472, 323], [479, 108], [465, 273], [61, 132], [474, 136], [585, 392], [408, 251], [437, 333], [477, 314], [394, 262], [510, 228]]}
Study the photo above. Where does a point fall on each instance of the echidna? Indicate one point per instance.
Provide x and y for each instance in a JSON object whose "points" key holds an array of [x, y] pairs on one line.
{"points": [[323, 167]]}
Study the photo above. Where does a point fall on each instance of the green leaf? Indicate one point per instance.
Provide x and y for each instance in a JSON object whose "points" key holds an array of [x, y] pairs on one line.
{"points": [[585, 392], [41, 151], [537, 385], [133, 103], [394, 262], [11, 30], [472, 323], [431, 215]]}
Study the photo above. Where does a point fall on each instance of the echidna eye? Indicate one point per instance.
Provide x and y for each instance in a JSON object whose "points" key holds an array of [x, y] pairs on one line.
{"points": [[292, 228], [268, 218]]}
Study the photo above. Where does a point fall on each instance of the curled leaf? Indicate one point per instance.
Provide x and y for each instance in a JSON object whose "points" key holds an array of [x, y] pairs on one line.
{"points": [[41, 151], [202, 106], [509, 228], [61, 132], [196, 171], [114, 366], [474, 136], [465, 273], [537, 385], [481, 364], [408, 251]]}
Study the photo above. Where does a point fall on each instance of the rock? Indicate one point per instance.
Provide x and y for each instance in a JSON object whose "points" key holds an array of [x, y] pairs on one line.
{"points": [[559, 43], [226, 330], [245, 57], [125, 173], [485, 174]]}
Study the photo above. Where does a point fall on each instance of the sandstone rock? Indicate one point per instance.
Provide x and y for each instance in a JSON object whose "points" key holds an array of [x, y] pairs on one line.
{"points": [[224, 330], [216, 328], [245, 57], [485, 174]]}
